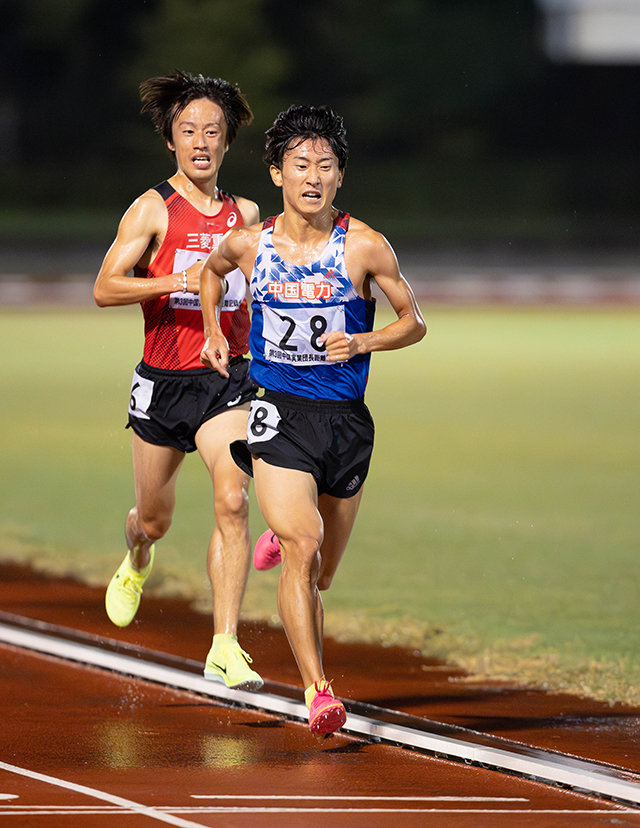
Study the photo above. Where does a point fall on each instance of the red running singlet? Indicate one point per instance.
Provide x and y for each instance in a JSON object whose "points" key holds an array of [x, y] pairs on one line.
{"points": [[173, 325]]}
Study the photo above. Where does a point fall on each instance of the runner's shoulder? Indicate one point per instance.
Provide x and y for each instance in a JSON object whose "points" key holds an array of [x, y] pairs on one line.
{"points": [[147, 212], [361, 236], [249, 209], [239, 240]]}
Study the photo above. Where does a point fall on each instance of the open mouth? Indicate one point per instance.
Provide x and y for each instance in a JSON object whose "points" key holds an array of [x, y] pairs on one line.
{"points": [[201, 160], [311, 195]]}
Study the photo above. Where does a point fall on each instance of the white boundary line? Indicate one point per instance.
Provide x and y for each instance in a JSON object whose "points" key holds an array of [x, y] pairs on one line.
{"points": [[581, 775]]}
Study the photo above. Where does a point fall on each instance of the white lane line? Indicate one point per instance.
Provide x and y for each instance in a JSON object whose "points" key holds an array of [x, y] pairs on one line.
{"points": [[167, 810], [585, 776], [611, 812], [313, 798], [127, 804]]}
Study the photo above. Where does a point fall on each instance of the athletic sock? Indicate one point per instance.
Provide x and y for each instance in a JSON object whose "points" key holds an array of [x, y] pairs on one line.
{"points": [[224, 638], [140, 572]]}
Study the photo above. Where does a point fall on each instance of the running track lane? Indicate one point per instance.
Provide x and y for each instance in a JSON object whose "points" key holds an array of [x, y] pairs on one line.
{"points": [[389, 677], [82, 746]]}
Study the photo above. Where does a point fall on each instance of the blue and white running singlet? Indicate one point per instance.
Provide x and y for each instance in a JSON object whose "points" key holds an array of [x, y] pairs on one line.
{"points": [[293, 305]]}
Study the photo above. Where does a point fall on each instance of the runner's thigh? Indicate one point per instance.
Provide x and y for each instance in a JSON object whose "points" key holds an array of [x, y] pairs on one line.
{"points": [[288, 501], [155, 471]]}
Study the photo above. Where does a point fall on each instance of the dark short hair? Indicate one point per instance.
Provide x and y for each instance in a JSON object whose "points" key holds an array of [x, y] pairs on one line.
{"points": [[164, 97], [302, 122]]}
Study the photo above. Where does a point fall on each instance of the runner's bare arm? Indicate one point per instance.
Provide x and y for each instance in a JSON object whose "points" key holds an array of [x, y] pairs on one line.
{"points": [[215, 353], [370, 256], [140, 227]]}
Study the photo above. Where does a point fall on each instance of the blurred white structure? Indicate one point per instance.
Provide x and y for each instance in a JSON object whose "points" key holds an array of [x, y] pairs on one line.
{"points": [[592, 31]]}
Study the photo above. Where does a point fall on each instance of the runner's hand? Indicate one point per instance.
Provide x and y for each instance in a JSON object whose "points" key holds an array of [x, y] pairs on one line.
{"points": [[340, 346], [215, 354]]}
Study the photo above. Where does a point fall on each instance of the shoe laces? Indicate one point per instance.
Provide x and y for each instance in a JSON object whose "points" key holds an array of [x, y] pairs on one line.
{"points": [[130, 585], [323, 688], [246, 655], [235, 651]]}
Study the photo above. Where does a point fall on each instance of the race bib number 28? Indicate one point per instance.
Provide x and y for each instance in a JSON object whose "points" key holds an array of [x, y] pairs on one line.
{"points": [[292, 335]]}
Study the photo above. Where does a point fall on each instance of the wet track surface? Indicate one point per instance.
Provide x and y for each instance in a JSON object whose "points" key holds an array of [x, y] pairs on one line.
{"points": [[195, 761]]}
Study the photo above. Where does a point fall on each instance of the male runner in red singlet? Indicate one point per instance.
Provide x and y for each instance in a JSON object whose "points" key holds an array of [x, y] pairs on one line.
{"points": [[310, 436], [176, 405]]}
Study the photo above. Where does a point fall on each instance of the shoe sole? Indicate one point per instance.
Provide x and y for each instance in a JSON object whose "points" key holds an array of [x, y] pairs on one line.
{"points": [[249, 684], [263, 567], [328, 721], [117, 623], [266, 562]]}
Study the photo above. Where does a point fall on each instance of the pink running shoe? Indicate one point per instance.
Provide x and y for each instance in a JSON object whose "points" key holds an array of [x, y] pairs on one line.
{"points": [[267, 553], [326, 714]]}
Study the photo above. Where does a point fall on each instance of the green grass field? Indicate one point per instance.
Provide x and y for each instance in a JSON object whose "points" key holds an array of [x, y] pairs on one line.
{"points": [[499, 526]]}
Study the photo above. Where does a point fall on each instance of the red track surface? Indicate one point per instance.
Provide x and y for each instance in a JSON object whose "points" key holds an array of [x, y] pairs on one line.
{"points": [[182, 755]]}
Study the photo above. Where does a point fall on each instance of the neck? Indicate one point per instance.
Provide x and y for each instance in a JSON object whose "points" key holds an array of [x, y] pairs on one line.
{"points": [[202, 194], [300, 239], [299, 225]]}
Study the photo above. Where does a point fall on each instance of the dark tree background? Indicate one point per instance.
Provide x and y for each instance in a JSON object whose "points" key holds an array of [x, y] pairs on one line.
{"points": [[461, 129]]}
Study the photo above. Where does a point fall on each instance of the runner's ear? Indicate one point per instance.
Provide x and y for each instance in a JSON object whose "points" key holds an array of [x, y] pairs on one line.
{"points": [[276, 175]]}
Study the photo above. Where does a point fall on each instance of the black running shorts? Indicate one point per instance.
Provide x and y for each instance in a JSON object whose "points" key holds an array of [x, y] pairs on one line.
{"points": [[332, 440], [168, 407]]}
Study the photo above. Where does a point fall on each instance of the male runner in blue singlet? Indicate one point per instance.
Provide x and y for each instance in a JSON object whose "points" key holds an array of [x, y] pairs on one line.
{"points": [[310, 436]]}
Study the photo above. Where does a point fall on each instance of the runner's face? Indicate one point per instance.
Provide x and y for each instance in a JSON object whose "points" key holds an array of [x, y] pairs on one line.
{"points": [[199, 139], [309, 176]]}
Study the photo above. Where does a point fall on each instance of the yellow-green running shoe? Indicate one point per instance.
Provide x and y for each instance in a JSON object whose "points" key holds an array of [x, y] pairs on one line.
{"points": [[123, 593], [229, 663]]}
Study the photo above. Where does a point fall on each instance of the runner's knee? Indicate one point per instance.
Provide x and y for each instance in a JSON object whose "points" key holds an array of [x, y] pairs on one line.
{"points": [[157, 528], [232, 504], [303, 553], [153, 527]]}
